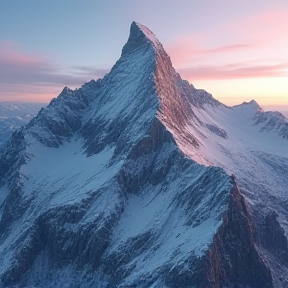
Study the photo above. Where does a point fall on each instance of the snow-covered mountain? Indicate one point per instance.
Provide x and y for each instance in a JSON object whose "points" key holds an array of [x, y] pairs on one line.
{"points": [[285, 113], [14, 115], [140, 180]]}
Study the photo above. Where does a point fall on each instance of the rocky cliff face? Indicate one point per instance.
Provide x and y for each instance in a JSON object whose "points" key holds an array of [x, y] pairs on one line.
{"points": [[106, 187]]}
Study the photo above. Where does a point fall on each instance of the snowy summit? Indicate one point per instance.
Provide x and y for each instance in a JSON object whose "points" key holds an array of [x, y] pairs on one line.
{"points": [[141, 180]]}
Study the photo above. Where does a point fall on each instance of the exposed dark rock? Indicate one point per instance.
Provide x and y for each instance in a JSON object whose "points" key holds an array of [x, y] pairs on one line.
{"points": [[218, 131], [274, 239], [233, 258], [272, 121]]}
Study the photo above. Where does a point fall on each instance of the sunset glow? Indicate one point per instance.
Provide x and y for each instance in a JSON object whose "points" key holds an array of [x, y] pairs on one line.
{"points": [[236, 51], [266, 91]]}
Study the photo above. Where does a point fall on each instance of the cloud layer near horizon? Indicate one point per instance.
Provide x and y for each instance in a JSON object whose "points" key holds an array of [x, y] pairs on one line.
{"points": [[24, 74], [234, 71]]}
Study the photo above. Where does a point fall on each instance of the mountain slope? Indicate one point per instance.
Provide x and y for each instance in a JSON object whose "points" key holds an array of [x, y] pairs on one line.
{"points": [[106, 187]]}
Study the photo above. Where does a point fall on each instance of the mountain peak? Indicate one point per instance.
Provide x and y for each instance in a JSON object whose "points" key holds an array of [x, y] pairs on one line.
{"points": [[147, 33], [142, 189], [252, 103], [139, 36]]}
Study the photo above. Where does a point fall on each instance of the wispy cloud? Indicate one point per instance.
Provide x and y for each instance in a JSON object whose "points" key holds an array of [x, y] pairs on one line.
{"points": [[234, 71], [185, 50], [87, 70], [227, 48], [24, 74], [258, 36], [33, 93], [20, 68]]}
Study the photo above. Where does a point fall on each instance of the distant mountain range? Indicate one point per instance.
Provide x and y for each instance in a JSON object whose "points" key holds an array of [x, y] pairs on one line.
{"points": [[141, 180], [14, 115]]}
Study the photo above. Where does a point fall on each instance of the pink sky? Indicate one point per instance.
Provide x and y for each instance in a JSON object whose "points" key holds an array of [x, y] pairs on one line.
{"points": [[237, 55], [255, 64]]}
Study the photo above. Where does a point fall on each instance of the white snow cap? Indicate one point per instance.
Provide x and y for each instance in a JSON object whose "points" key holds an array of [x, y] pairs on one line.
{"points": [[139, 36], [252, 103], [148, 34]]}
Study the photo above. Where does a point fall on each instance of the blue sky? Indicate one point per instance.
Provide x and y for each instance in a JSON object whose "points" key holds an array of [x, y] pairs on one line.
{"points": [[236, 50]]}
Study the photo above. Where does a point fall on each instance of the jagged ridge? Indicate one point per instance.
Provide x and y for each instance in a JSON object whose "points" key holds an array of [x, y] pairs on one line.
{"points": [[89, 214]]}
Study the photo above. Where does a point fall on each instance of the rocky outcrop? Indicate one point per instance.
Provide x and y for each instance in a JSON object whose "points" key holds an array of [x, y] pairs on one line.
{"points": [[63, 116], [274, 239], [233, 258], [272, 121]]}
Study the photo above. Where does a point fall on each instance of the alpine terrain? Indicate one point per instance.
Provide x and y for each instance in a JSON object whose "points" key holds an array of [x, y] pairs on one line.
{"points": [[14, 115], [140, 180]]}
